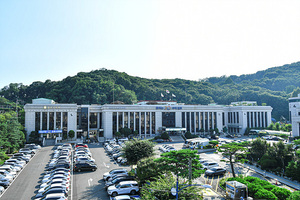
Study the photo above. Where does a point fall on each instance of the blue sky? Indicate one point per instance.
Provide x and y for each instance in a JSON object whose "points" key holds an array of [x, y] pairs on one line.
{"points": [[191, 39]]}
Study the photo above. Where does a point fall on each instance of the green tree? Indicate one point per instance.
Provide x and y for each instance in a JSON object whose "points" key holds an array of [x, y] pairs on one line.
{"points": [[258, 148], [234, 153], [214, 143], [161, 187], [135, 150], [165, 136], [294, 196], [281, 193], [265, 194], [118, 134], [125, 132], [178, 162], [147, 169], [71, 134]]}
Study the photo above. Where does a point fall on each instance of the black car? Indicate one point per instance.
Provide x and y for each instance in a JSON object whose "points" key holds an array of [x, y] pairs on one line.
{"points": [[215, 171], [85, 167], [4, 184], [118, 180]]}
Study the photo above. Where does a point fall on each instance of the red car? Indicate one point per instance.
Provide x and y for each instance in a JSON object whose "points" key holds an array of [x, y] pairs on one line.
{"points": [[81, 145]]}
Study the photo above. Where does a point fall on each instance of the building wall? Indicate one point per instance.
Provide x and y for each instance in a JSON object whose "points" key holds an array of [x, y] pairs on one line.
{"points": [[213, 113]]}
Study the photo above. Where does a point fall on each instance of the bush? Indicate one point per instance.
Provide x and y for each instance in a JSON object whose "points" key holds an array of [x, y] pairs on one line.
{"points": [[264, 194], [253, 189], [294, 196], [269, 187], [165, 136], [281, 193]]}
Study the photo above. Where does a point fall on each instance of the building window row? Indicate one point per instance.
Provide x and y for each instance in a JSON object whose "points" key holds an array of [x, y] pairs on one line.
{"points": [[197, 121], [257, 119], [143, 122]]}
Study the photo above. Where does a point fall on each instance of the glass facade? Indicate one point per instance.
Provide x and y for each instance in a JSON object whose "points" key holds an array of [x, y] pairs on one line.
{"points": [[37, 121], [168, 119], [44, 120], [51, 120]]}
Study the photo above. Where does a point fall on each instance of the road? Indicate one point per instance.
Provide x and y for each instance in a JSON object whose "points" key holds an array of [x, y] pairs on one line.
{"points": [[26, 184], [90, 185]]}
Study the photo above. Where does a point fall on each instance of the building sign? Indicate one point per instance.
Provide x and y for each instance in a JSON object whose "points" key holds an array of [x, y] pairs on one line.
{"points": [[168, 108], [51, 131]]}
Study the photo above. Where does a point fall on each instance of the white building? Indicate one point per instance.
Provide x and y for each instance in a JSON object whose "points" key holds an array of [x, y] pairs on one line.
{"points": [[145, 117], [294, 108]]}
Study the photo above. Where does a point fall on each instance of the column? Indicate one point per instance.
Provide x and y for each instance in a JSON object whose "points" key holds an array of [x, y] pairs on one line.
{"points": [[117, 121], [134, 121], [150, 121], [123, 120]]}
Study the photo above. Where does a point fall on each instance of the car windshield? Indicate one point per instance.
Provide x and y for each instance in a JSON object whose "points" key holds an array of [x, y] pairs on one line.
{"points": [[214, 169], [118, 186]]}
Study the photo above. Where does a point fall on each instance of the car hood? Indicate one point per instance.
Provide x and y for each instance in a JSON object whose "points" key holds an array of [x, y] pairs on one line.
{"points": [[112, 187]]}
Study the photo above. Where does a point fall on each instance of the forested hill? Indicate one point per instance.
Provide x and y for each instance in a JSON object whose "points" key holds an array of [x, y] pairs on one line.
{"points": [[272, 86]]}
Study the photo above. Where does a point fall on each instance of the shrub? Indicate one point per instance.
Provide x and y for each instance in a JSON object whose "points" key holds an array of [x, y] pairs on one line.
{"points": [[264, 194], [269, 187], [165, 136], [253, 189], [281, 193], [294, 196]]}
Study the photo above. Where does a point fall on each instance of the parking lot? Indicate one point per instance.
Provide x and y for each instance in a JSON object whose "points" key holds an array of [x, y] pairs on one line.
{"points": [[90, 185]]}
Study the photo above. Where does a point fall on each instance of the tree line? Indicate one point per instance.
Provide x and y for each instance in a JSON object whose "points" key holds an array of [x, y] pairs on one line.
{"points": [[271, 87]]}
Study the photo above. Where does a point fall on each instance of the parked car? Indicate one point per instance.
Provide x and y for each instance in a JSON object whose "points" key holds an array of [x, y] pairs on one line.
{"points": [[124, 187], [109, 174], [53, 186], [1, 189], [215, 171], [56, 196], [118, 180], [81, 145], [85, 167], [209, 165], [26, 151], [63, 181]]}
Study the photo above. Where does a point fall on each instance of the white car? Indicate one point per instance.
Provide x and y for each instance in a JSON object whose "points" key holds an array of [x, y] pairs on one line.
{"points": [[209, 165], [109, 174], [55, 185], [59, 176], [63, 181], [6, 173], [83, 159], [57, 173], [56, 196], [124, 187]]}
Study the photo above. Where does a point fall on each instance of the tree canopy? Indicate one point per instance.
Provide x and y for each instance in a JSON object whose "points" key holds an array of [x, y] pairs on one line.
{"points": [[270, 87]]}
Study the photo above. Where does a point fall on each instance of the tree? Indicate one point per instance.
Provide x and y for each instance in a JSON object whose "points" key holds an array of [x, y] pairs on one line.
{"points": [[64, 136], [178, 162], [234, 153], [71, 134], [118, 134], [135, 150], [125, 132], [281, 193], [258, 148], [294, 196], [165, 136], [214, 143], [147, 169], [265, 194], [161, 187]]}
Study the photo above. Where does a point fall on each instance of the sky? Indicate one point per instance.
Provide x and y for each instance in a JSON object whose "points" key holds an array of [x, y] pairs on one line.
{"points": [[187, 39]]}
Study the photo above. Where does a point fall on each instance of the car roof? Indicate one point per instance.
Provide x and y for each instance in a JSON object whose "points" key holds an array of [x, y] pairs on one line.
{"points": [[128, 182]]}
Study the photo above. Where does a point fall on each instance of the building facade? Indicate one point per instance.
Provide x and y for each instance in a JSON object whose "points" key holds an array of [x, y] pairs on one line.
{"points": [[294, 110], [147, 118]]}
